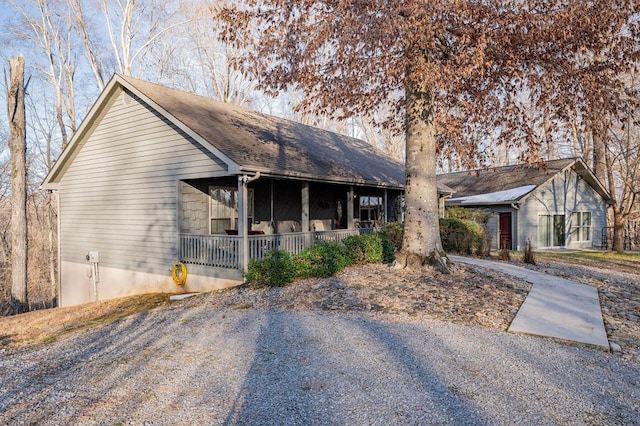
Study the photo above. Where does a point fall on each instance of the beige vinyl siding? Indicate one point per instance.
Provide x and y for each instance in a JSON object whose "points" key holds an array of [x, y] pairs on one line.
{"points": [[194, 210], [119, 196]]}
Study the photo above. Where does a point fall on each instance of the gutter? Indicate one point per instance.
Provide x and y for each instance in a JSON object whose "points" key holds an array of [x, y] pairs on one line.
{"points": [[326, 179]]}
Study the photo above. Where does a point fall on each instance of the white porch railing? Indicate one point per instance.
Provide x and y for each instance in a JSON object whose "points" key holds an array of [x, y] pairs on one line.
{"points": [[210, 250], [223, 250]]}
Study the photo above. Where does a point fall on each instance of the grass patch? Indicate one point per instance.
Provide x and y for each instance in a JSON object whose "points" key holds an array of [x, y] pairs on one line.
{"points": [[49, 339], [600, 256], [591, 255], [47, 326]]}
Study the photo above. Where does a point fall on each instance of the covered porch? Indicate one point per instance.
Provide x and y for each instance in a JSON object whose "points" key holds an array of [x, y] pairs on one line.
{"points": [[226, 221]]}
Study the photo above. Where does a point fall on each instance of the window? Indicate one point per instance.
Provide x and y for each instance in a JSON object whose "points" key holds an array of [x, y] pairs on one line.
{"points": [[223, 208], [370, 210], [581, 226], [551, 230]]}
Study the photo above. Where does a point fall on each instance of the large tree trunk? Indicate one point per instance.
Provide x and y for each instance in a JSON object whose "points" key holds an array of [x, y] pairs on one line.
{"points": [[618, 233], [18, 150], [617, 206], [421, 244]]}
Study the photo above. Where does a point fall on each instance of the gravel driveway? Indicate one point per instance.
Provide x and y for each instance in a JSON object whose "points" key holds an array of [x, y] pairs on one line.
{"points": [[201, 364]]}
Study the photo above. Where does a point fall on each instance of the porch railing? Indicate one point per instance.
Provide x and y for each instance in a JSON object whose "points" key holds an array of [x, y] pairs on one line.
{"points": [[210, 250], [223, 250]]}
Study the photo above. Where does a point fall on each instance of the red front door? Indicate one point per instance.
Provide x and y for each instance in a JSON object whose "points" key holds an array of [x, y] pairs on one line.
{"points": [[505, 231]]}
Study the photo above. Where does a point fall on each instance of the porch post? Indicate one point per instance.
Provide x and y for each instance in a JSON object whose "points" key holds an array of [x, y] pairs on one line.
{"points": [[305, 207], [243, 232], [385, 207], [350, 222], [308, 237]]}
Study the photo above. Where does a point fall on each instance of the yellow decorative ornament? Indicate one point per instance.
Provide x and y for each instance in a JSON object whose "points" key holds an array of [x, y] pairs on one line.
{"points": [[179, 273]]}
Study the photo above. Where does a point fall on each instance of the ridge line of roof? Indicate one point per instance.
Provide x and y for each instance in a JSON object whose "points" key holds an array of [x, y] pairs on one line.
{"points": [[512, 166]]}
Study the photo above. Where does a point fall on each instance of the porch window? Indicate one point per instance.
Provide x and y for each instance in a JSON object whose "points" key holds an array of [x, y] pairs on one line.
{"points": [[551, 230], [371, 208], [223, 209], [581, 226]]}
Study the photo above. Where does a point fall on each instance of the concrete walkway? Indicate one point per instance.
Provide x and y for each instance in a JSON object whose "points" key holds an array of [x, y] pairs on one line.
{"points": [[555, 307]]}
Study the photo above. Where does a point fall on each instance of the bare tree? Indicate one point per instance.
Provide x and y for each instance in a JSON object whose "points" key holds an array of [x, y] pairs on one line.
{"points": [[88, 42], [5, 189], [622, 162], [18, 150], [193, 58], [46, 28], [133, 26]]}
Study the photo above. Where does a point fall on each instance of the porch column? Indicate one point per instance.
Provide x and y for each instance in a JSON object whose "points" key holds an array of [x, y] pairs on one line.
{"points": [[385, 207], [350, 222], [305, 226], [243, 217], [305, 207]]}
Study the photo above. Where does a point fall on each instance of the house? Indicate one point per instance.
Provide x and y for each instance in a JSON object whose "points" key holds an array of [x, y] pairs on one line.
{"points": [[158, 185], [562, 205]]}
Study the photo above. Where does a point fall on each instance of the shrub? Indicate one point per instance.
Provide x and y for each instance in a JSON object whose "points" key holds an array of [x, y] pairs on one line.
{"points": [[528, 254], [485, 250], [363, 249], [479, 216], [388, 250], [394, 232], [504, 254], [477, 220], [462, 236], [276, 269], [322, 260]]}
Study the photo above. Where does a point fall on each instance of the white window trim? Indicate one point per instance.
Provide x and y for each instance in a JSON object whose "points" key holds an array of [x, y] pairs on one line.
{"points": [[566, 223], [577, 229]]}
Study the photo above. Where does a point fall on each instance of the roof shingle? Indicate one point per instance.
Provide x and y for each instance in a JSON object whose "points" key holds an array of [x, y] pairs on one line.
{"points": [[260, 142]]}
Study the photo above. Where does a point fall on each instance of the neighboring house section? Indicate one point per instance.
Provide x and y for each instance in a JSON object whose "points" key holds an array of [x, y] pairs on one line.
{"points": [[561, 205], [154, 176]]}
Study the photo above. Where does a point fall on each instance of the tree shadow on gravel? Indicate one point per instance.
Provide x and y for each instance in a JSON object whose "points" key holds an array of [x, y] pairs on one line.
{"points": [[48, 375], [336, 382], [271, 391], [450, 402]]}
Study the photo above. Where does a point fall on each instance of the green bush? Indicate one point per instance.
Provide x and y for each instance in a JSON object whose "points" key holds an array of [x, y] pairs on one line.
{"points": [[276, 269], [363, 249], [473, 215], [465, 231], [388, 250], [394, 232], [461, 236], [322, 260]]}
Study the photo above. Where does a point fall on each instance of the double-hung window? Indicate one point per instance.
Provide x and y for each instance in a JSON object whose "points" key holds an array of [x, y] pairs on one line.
{"points": [[581, 226]]}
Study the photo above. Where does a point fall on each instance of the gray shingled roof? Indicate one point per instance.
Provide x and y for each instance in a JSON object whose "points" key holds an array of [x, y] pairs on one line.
{"points": [[478, 182], [271, 145]]}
